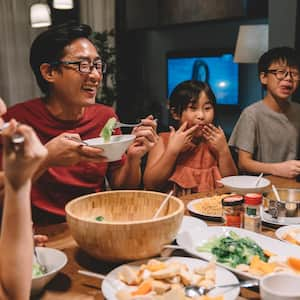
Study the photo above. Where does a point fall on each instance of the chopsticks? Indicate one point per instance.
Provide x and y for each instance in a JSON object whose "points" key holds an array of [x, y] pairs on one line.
{"points": [[91, 274]]}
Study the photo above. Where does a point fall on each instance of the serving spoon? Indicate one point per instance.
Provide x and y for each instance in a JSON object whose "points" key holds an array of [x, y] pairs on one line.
{"points": [[163, 204], [193, 290]]}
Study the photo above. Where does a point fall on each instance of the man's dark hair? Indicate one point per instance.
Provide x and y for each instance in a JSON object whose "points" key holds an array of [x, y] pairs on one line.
{"points": [[287, 55], [49, 46]]}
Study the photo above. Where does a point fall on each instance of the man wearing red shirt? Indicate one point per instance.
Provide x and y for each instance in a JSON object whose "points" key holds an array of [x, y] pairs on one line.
{"points": [[69, 70]]}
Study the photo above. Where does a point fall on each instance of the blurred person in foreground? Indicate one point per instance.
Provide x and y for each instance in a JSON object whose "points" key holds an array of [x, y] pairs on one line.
{"points": [[16, 243], [69, 71], [267, 133]]}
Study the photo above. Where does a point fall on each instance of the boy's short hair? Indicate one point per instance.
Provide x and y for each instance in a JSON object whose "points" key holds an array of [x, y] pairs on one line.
{"points": [[49, 46], [286, 55]]}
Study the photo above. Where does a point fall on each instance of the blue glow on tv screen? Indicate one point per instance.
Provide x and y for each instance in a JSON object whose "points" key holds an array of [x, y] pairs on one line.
{"points": [[219, 71]]}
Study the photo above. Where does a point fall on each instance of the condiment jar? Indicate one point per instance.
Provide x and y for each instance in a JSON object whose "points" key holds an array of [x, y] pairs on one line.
{"points": [[252, 217], [233, 210]]}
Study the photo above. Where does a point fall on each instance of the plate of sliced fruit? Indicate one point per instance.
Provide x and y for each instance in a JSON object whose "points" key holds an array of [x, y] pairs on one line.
{"points": [[165, 278]]}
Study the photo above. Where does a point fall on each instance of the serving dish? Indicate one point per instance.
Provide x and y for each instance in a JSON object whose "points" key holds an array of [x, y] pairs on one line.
{"points": [[189, 223], [119, 225], [189, 241], [111, 284], [268, 220], [289, 234], [204, 208]]}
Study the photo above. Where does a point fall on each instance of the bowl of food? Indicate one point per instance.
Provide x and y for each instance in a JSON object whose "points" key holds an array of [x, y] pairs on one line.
{"points": [[119, 225], [280, 286], [245, 184], [288, 206], [54, 260], [114, 148]]}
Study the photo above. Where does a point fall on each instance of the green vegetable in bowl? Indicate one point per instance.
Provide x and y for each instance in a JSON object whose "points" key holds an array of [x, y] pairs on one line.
{"points": [[36, 270], [107, 130], [233, 250], [99, 218]]}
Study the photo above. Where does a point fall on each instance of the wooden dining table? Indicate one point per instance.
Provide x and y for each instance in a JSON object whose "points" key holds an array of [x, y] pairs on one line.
{"points": [[69, 285]]}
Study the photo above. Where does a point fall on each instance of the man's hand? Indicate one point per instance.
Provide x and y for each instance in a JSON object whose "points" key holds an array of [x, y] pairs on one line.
{"points": [[146, 138], [65, 152]]}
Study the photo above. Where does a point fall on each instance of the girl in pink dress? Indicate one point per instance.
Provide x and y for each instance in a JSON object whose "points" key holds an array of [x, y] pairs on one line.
{"points": [[195, 156]]}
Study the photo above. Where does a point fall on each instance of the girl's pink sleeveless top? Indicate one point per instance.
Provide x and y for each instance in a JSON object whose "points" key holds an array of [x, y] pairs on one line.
{"points": [[196, 170]]}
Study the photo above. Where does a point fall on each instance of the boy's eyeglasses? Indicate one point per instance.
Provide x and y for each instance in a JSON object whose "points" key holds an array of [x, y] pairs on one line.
{"points": [[84, 66], [281, 74]]}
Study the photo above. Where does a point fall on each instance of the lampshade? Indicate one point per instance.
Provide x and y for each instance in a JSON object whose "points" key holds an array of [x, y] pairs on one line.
{"points": [[252, 42], [63, 4], [40, 15]]}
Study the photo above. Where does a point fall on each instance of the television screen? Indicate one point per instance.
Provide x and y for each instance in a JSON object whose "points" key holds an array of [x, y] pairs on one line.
{"points": [[218, 70]]}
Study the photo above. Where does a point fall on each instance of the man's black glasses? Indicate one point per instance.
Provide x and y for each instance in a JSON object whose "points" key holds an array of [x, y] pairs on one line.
{"points": [[84, 66]]}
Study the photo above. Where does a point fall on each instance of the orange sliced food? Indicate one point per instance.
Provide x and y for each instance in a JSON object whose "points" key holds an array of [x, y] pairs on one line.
{"points": [[294, 263], [268, 253], [290, 239], [211, 298], [156, 266], [144, 288], [261, 266]]}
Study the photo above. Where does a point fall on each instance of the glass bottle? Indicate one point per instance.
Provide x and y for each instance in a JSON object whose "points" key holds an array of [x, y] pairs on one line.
{"points": [[252, 217], [233, 210]]}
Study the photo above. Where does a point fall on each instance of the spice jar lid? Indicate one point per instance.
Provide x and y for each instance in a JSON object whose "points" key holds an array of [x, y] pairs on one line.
{"points": [[253, 198], [233, 200]]}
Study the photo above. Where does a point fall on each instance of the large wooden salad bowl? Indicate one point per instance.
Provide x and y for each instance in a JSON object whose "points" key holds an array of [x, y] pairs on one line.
{"points": [[127, 231]]}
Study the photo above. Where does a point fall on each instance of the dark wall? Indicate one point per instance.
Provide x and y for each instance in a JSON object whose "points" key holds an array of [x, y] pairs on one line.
{"points": [[143, 68]]}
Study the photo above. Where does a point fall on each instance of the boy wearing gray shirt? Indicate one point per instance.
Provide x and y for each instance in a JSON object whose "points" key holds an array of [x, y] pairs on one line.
{"points": [[267, 133]]}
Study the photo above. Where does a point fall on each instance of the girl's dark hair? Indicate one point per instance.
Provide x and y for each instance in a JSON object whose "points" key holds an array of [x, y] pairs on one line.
{"points": [[188, 92], [49, 46]]}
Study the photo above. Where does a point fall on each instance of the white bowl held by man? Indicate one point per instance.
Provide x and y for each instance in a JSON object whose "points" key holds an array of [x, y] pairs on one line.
{"points": [[54, 260], [115, 147]]}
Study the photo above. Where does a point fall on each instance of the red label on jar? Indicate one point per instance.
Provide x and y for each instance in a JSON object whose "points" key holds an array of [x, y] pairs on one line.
{"points": [[234, 221]]}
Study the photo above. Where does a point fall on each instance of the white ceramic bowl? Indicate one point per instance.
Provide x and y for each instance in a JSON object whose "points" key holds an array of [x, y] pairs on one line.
{"points": [[245, 184], [54, 260], [280, 286], [115, 148]]}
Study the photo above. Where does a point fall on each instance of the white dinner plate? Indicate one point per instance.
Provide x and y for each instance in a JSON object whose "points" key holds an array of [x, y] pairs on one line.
{"points": [[195, 212], [280, 221], [111, 284], [189, 223], [280, 232], [189, 241]]}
